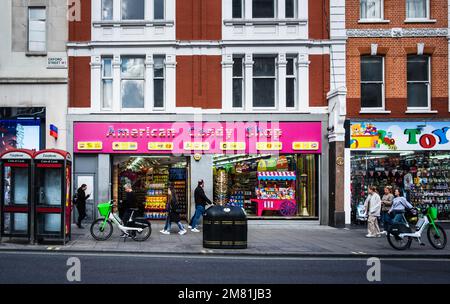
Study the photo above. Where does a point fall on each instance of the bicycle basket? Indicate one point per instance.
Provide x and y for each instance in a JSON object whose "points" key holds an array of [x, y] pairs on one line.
{"points": [[433, 212], [104, 209]]}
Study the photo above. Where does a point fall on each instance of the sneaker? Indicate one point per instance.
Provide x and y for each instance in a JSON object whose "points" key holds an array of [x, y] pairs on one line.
{"points": [[181, 232], [190, 227], [165, 232], [195, 230], [383, 233], [370, 236]]}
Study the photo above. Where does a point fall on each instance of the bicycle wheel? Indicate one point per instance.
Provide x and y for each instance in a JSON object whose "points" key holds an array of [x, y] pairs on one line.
{"points": [[399, 243], [100, 234], [438, 242], [143, 235]]}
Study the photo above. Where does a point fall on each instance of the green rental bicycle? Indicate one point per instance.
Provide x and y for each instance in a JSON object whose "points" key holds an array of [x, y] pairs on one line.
{"points": [[400, 235], [138, 228]]}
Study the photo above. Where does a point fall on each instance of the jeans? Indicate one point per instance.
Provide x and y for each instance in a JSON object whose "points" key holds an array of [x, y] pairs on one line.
{"points": [[199, 210], [398, 218], [386, 220], [168, 225]]}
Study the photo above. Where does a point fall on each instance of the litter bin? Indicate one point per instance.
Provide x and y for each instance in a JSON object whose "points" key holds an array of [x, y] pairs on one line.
{"points": [[225, 228]]}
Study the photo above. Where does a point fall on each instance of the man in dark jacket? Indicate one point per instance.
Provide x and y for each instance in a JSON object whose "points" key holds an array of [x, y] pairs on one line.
{"points": [[130, 203], [81, 204], [200, 203]]}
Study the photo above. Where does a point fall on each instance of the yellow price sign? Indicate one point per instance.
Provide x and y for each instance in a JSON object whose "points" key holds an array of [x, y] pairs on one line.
{"points": [[124, 146], [305, 145], [196, 146], [160, 146], [269, 146], [90, 145], [232, 146]]}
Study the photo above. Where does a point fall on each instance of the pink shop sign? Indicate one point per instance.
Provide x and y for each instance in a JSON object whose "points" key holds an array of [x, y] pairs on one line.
{"points": [[185, 138]]}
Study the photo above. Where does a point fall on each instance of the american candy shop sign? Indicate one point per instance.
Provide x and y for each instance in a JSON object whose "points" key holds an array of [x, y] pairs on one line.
{"points": [[400, 135]]}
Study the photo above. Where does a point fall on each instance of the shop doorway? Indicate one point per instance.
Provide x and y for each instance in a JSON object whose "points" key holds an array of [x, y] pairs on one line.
{"points": [[150, 177], [89, 180]]}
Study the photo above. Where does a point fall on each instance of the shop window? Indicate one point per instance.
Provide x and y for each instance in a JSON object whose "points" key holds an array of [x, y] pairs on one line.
{"points": [[291, 81], [107, 83], [264, 80], [238, 82], [158, 9], [37, 29], [263, 8], [132, 82], [133, 9], [238, 9], [158, 81], [417, 9], [419, 88], [371, 9], [107, 9], [291, 9], [372, 82]]}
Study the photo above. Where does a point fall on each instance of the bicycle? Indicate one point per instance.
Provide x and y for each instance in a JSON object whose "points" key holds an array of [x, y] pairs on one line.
{"points": [[138, 228], [400, 235]]}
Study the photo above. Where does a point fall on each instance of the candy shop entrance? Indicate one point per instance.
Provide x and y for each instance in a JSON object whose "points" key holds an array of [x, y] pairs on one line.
{"points": [[150, 177]]}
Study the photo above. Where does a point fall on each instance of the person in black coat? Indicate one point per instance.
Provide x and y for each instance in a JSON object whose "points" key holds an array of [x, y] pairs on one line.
{"points": [[173, 215], [130, 203], [201, 200], [81, 204]]}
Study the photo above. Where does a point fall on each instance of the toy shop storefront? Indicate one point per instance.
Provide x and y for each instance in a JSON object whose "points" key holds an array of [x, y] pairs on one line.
{"points": [[271, 169], [412, 156]]}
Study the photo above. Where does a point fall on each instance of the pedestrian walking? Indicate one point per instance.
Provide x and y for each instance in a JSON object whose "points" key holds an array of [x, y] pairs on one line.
{"points": [[80, 201], [200, 204], [386, 203], [173, 215], [399, 206], [373, 208]]}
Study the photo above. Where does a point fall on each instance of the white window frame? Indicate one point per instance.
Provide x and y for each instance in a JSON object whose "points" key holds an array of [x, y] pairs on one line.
{"points": [[275, 11], [164, 82], [295, 10], [426, 18], [103, 78], [428, 84], [242, 78], [122, 108], [368, 20], [101, 11], [383, 89], [121, 12], [295, 77], [275, 77], [28, 29]]}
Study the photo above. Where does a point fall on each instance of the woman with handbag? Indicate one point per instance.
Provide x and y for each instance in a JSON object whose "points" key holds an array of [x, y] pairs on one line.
{"points": [[173, 215], [373, 208]]}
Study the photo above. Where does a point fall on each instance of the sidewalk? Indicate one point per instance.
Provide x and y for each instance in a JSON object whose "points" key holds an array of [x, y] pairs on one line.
{"points": [[265, 238]]}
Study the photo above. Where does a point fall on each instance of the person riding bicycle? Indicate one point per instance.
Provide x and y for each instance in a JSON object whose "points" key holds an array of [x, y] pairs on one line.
{"points": [[398, 208], [130, 205]]}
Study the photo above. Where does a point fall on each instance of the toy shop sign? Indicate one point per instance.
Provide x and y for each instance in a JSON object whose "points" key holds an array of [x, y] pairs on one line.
{"points": [[400, 135], [195, 137]]}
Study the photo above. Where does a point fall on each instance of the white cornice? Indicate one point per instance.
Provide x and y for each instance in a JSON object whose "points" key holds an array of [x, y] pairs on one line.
{"points": [[397, 32]]}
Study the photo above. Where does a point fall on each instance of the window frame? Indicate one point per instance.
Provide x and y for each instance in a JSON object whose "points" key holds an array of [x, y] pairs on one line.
{"points": [[103, 78], [163, 78], [101, 11], [275, 79], [427, 83], [383, 88], [275, 11], [121, 11], [241, 78], [295, 77], [242, 9], [372, 19], [132, 78], [31, 7], [412, 19]]}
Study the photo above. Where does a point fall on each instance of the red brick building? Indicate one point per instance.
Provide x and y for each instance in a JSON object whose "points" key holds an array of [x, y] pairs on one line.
{"points": [[397, 79]]}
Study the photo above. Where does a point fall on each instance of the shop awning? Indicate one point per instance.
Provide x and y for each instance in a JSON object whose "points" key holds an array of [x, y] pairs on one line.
{"points": [[289, 175]]}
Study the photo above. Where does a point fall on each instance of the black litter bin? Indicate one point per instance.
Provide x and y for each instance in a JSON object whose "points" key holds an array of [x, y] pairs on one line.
{"points": [[225, 228]]}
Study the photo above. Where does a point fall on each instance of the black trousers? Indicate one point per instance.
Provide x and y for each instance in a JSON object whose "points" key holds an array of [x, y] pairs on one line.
{"points": [[81, 213]]}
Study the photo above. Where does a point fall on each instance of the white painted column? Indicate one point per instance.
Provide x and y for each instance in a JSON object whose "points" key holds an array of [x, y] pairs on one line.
{"points": [[347, 186], [170, 98], [149, 96], [96, 85], [148, 15], [248, 82], [96, 12], [116, 104], [282, 62], [169, 10], [302, 9], [227, 82], [281, 9], [117, 10], [303, 82], [248, 9]]}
